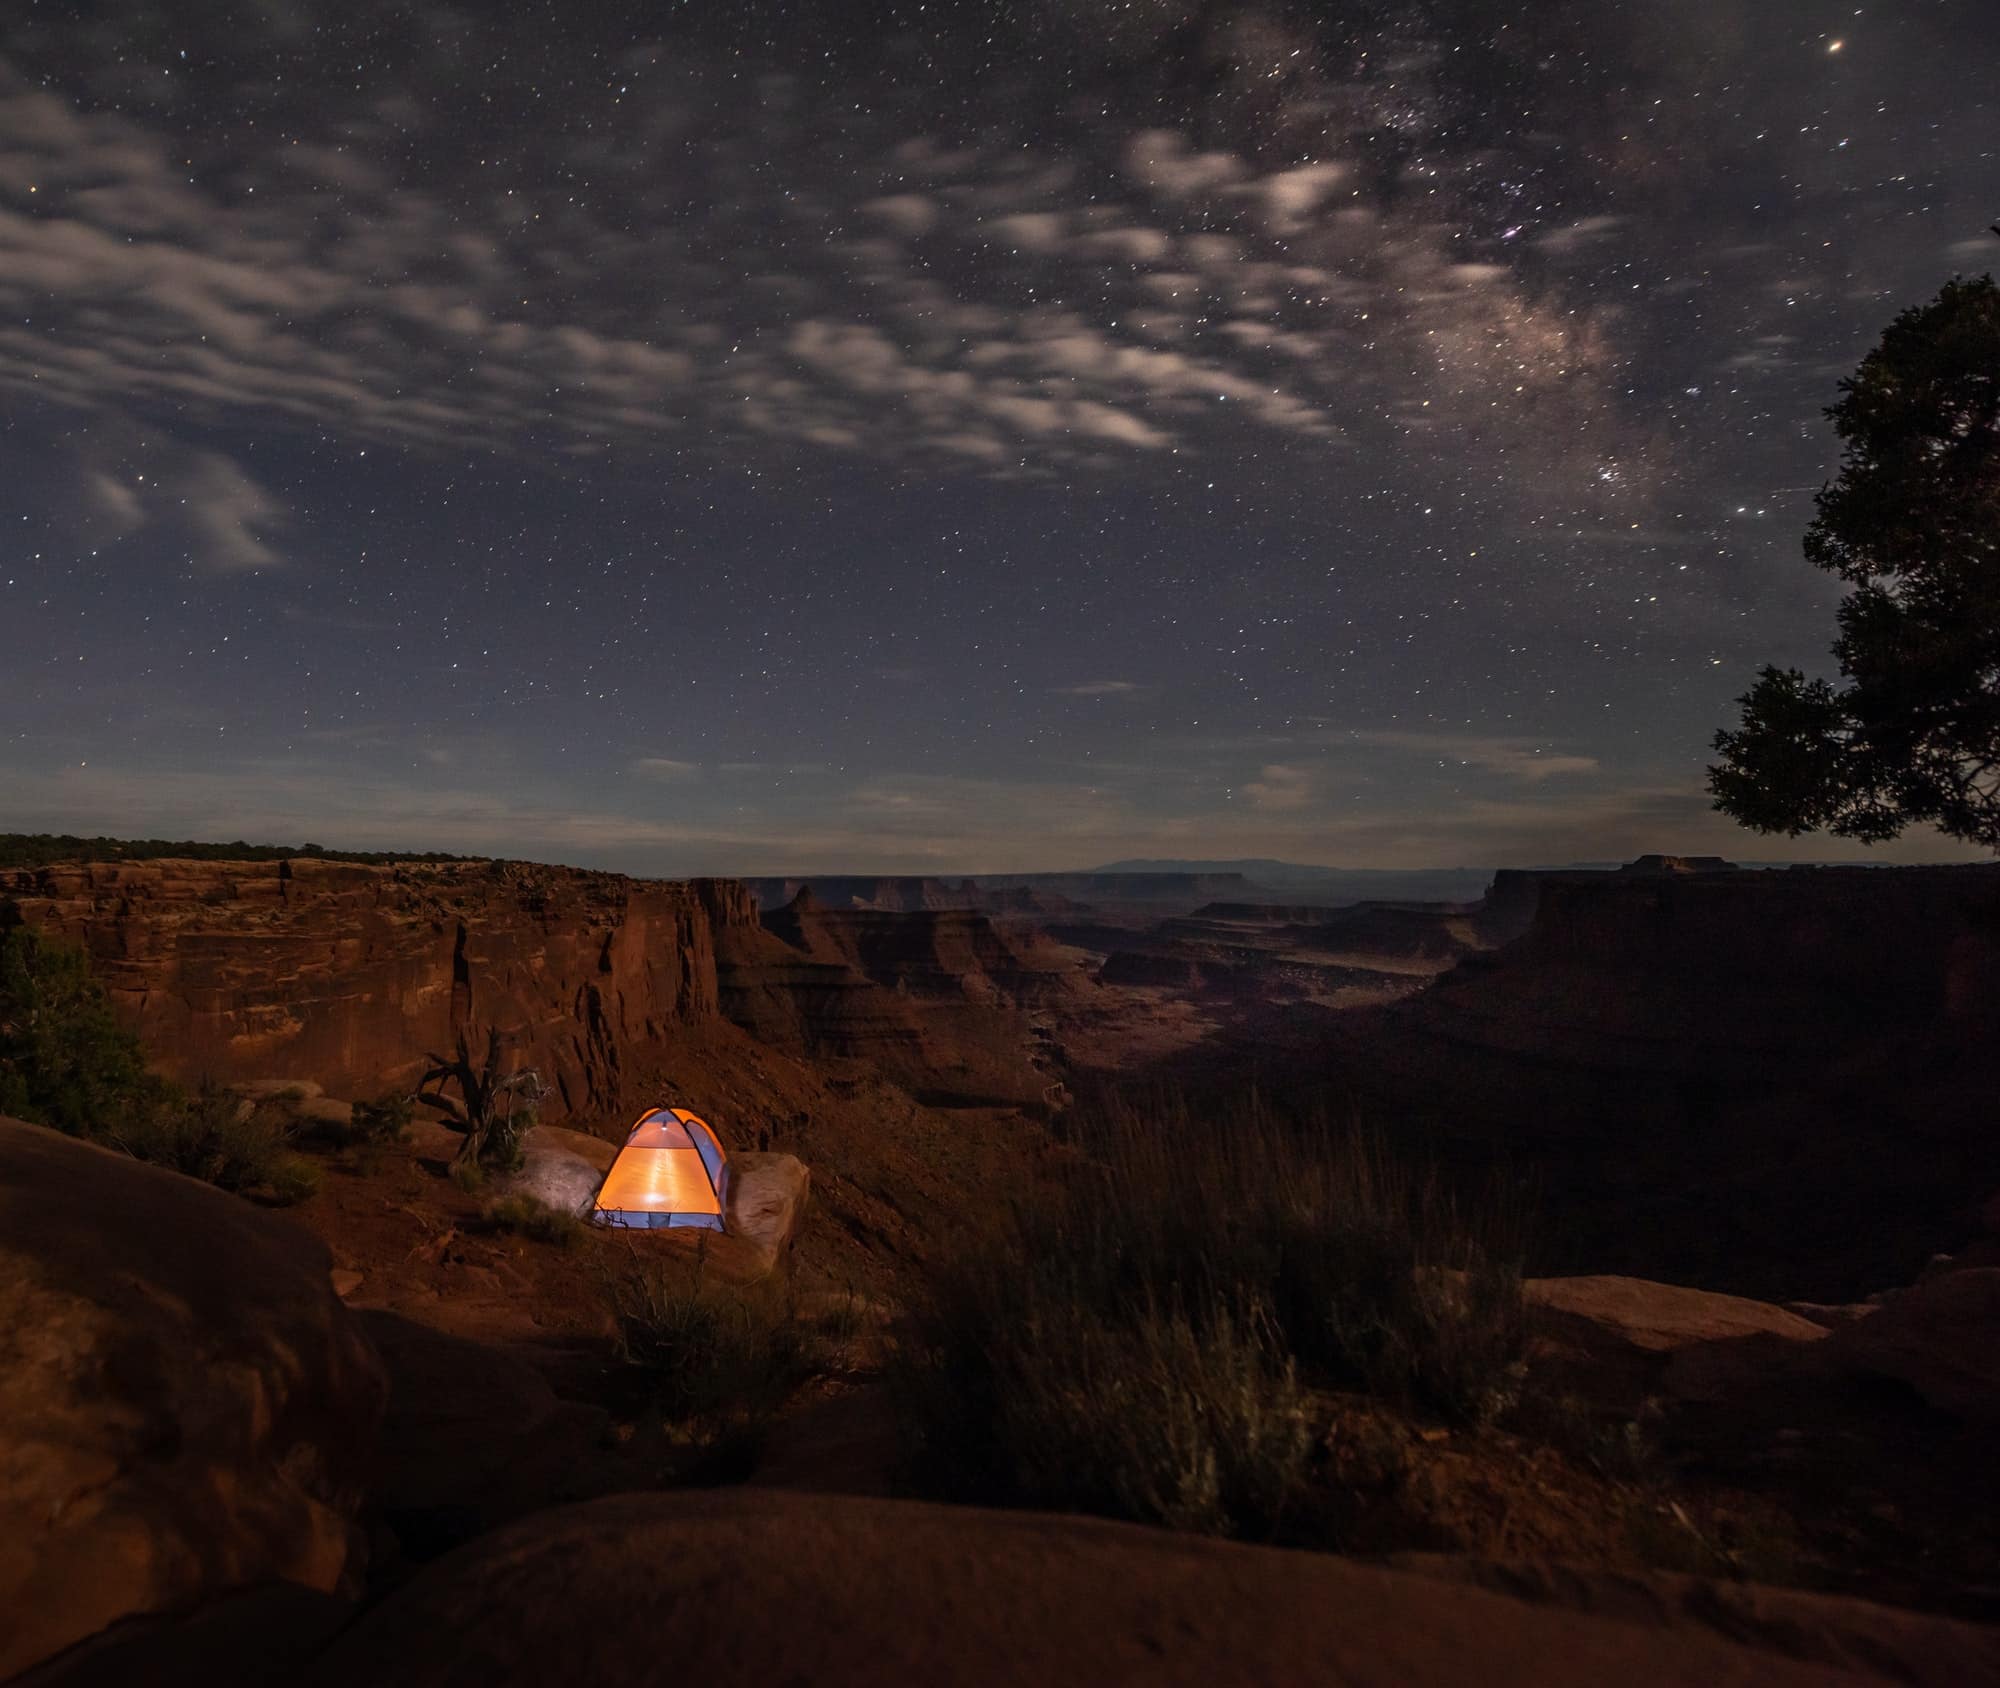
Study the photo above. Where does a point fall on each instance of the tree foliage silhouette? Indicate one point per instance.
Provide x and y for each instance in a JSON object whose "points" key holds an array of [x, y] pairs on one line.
{"points": [[1912, 732]]}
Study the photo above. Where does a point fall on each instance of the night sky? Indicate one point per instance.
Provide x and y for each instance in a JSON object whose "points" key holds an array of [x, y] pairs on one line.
{"points": [[749, 437]]}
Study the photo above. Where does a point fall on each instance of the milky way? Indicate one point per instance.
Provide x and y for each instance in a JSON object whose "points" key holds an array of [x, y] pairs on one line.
{"points": [[945, 437]]}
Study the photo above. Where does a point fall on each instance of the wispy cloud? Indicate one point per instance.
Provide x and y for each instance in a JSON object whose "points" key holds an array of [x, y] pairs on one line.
{"points": [[1281, 789], [1100, 688], [1514, 758]]}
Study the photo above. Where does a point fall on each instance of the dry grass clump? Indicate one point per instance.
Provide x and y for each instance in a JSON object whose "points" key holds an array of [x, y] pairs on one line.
{"points": [[523, 1215], [1143, 1339], [714, 1364]]}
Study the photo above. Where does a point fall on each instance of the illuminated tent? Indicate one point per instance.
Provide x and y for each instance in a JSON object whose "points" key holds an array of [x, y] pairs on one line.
{"points": [[671, 1172]]}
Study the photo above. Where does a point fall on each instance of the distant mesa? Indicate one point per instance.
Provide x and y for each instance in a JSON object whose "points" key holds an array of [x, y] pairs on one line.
{"points": [[1680, 864]]}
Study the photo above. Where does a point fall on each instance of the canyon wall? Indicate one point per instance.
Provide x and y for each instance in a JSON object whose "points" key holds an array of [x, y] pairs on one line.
{"points": [[1725, 973], [348, 974], [1773, 1083]]}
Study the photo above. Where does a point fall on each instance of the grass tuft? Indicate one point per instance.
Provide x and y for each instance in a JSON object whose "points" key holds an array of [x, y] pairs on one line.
{"points": [[715, 1363], [1142, 1339], [529, 1216]]}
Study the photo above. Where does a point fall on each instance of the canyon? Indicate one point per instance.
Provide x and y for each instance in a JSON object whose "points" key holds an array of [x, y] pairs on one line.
{"points": [[353, 973]]}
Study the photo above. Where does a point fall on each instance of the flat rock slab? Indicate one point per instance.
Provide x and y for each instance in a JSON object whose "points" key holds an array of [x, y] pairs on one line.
{"points": [[1662, 1317], [1824, 1629], [325, 1110], [1634, 1339], [759, 1586], [185, 1405]]}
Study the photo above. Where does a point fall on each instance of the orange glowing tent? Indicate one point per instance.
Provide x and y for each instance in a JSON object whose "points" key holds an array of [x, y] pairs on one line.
{"points": [[671, 1173]]}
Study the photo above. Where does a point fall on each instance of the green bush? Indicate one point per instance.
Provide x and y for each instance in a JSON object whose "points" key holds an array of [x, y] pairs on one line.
{"points": [[528, 1216], [65, 1062], [64, 1059], [1142, 1338]]}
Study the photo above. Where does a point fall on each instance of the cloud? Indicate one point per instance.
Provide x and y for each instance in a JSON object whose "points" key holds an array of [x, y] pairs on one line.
{"points": [[1012, 305], [908, 213], [1280, 789], [229, 514], [1100, 688], [665, 768], [1514, 758]]}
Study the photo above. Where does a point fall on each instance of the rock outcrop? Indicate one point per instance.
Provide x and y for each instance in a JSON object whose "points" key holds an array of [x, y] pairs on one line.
{"points": [[1627, 1340], [234, 970], [185, 1405], [1771, 1083], [938, 998], [1721, 974], [1941, 1337], [758, 1585], [767, 1203]]}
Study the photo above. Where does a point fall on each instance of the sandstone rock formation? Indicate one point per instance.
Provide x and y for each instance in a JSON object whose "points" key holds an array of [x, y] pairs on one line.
{"points": [[1637, 1339], [475, 1437], [767, 1203], [1773, 1083], [1663, 1318], [1940, 1336], [185, 1406], [1720, 974], [764, 1586], [233, 971], [561, 1169]]}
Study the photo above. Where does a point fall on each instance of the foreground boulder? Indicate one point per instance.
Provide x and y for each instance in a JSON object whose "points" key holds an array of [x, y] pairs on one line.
{"points": [[762, 1586], [475, 1437], [185, 1405]]}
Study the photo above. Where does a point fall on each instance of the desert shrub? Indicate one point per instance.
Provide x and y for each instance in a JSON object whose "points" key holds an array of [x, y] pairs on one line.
{"points": [[1140, 1338], [469, 1176], [65, 1062], [384, 1120], [1193, 1422], [529, 1216], [716, 1363], [64, 1059], [220, 1139]]}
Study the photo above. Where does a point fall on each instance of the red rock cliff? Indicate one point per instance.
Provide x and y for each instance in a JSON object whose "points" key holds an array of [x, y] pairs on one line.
{"points": [[347, 974], [1718, 973]]}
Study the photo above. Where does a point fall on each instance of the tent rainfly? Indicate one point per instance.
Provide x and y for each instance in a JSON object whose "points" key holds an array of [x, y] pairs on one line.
{"points": [[671, 1172]]}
